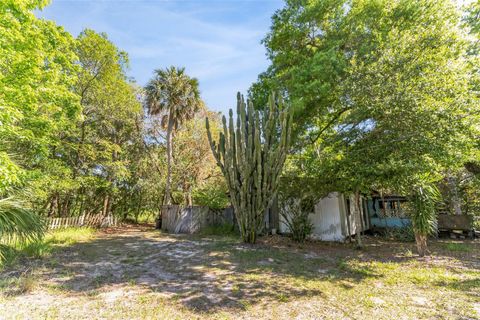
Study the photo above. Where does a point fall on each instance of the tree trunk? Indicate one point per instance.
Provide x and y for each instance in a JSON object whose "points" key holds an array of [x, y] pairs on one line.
{"points": [[53, 206], [358, 220], [167, 197], [456, 204], [106, 205], [421, 241], [66, 206], [187, 193]]}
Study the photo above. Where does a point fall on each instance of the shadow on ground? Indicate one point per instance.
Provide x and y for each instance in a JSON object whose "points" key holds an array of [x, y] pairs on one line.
{"points": [[208, 274]]}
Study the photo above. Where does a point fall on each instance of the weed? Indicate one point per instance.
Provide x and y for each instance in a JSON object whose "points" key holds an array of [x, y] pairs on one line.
{"points": [[45, 247], [457, 247]]}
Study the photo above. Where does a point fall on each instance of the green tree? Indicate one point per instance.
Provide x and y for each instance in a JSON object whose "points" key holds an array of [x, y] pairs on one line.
{"points": [[381, 89], [195, 167], [175, 96], [36, 104], [108, 129]]}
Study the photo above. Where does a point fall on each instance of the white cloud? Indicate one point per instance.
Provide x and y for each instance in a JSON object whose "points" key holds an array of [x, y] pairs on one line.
{"points": [[217, 41]]}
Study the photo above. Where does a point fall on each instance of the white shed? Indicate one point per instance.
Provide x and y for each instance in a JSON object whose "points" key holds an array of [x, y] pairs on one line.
{"points": [[334, 218]]}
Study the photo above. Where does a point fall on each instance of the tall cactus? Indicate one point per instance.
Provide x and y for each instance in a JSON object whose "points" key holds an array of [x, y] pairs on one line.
{"points": [[251, 156]]}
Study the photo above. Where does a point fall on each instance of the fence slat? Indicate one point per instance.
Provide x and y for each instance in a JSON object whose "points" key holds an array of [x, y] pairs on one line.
{"points": [[90, 219]]}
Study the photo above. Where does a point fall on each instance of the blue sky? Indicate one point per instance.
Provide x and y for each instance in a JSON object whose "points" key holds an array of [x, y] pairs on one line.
{"points": [[217, 41]]}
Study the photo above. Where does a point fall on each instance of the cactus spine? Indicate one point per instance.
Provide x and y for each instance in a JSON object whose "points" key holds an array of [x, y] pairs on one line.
{"points": [[251, 156]]}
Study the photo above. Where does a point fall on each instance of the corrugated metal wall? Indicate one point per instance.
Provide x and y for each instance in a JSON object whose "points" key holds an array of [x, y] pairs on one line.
{"points": [[178, 219], [327, 219], [332, 220]]}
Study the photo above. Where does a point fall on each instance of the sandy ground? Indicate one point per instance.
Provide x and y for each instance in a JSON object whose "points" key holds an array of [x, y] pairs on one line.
{"points": [[136, 272]]}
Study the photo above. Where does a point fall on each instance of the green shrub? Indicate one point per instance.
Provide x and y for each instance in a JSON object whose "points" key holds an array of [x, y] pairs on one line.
{"points": [[296, 217], [421, 210], [213, 196], [18, 225]]}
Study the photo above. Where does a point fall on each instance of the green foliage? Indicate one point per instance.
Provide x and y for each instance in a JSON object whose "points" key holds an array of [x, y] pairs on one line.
{"points": [[296, 217], [372, 91], [17, 224], [43, 247], [251, 157], [194, 170], [421, 208], [296, 201], [9, 173], [74, 138], [37, 69], [174, 95], [213, 196], [382, 91]]}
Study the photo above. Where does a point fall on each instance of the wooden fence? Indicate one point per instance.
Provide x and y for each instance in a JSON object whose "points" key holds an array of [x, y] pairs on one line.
{"points": [[178, 219], [88, 220]]}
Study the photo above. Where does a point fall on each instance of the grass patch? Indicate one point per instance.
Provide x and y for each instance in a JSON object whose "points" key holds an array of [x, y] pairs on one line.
{"points": [[222, 278], [145, 217], [220, 230], [44, 247], [20, 285], [456, 247]]}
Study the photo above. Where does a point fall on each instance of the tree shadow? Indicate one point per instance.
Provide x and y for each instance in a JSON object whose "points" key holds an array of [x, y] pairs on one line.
{"points": [[207, 274]]}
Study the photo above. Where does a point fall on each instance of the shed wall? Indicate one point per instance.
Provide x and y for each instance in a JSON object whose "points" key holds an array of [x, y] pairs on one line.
{"points": [[327, 219]]}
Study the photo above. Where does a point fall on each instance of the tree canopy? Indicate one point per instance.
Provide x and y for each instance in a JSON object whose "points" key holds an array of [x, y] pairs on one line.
{"points": [[76, 136]]}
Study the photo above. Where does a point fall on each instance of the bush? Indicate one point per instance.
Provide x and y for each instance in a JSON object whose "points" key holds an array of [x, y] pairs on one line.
{"points": [[421, 209], [296, 200], [213, 196], [295, 214]]}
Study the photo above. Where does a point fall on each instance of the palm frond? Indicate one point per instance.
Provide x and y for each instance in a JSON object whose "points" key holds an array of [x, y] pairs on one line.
{"points": [[18, 224], [171, 91], [423, 215]]}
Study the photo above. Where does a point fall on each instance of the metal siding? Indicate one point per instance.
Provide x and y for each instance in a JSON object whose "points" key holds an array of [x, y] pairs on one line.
{"points": [[327, 219]]}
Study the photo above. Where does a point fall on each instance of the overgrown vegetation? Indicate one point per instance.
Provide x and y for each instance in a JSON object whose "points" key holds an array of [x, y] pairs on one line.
{"points": [[44, 247], [422, 204], [296, 217], [296, 201], [380, 93], [18, 226], [384, 92], [75, 134]]}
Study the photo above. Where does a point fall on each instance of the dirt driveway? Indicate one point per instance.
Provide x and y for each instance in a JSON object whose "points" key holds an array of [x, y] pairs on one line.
{"points": [[140, 273]]}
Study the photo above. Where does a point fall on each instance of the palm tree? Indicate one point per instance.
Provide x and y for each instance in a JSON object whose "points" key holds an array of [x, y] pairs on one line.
{"points": [[18, 224], [174, 95]]}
